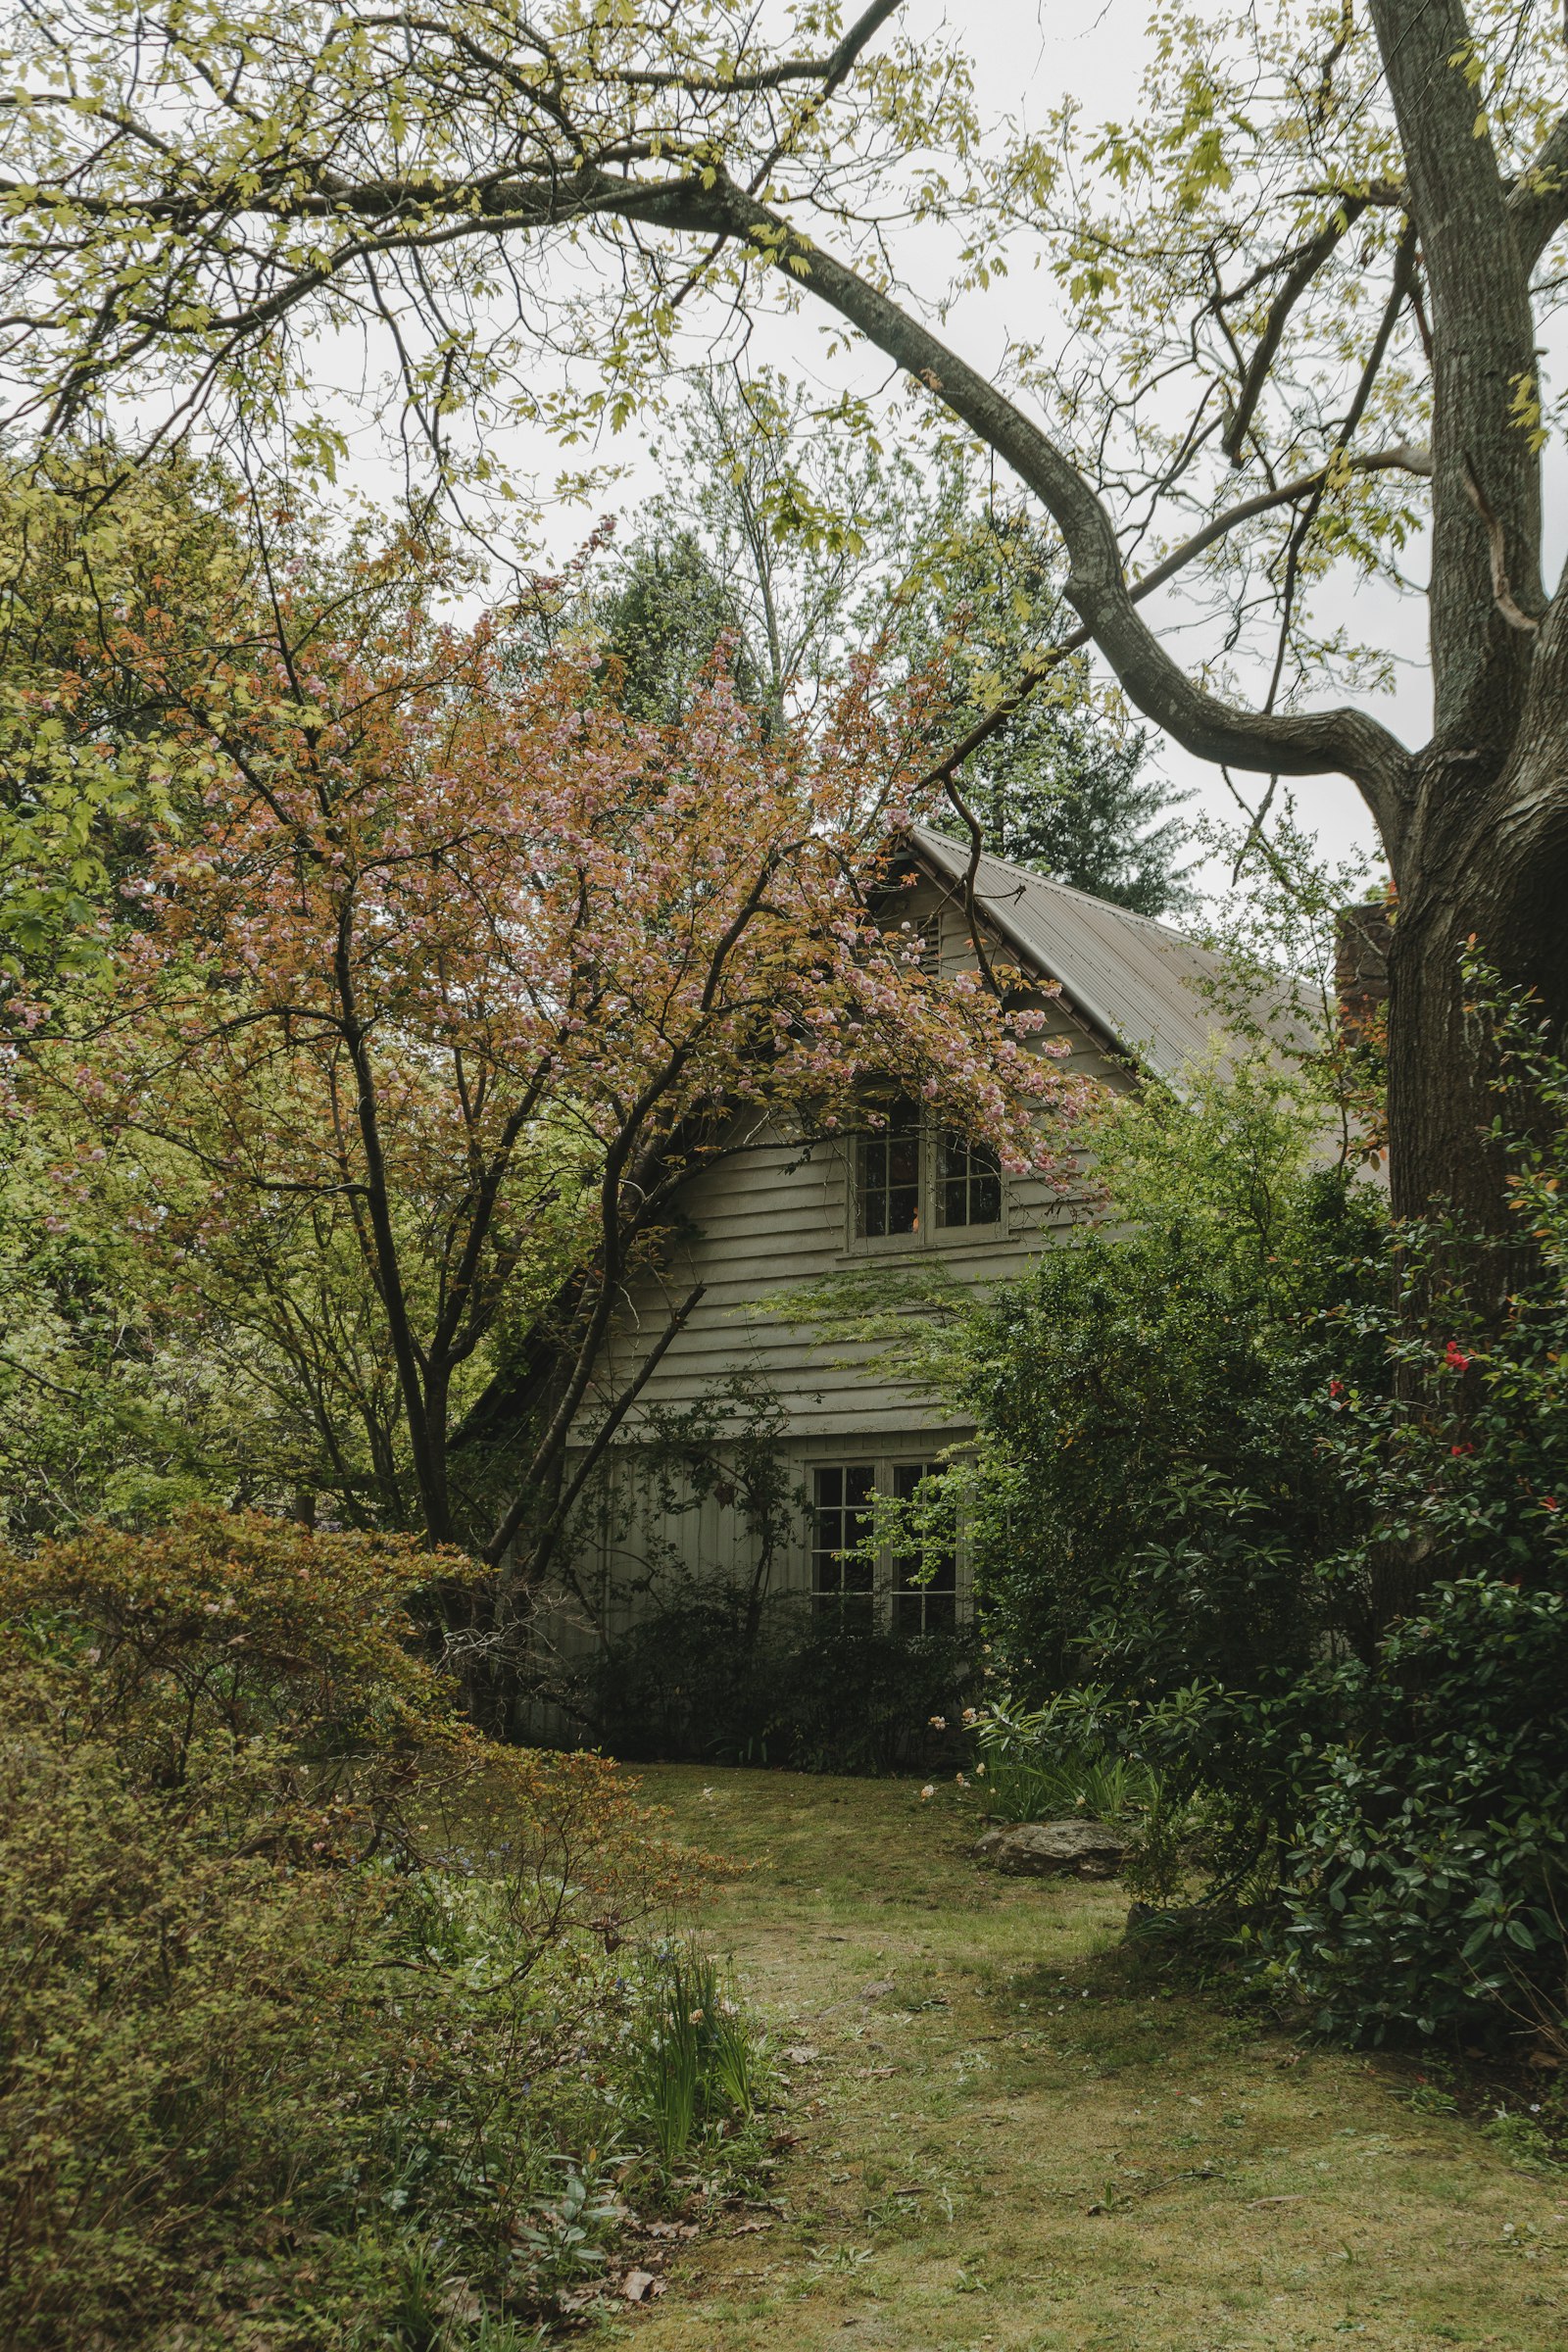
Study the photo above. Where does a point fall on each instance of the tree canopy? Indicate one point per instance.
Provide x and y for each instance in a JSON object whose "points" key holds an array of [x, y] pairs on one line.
{"points": [[1306, 285]]}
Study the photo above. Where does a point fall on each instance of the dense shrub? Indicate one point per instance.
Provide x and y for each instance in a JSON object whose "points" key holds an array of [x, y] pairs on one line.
{"points": [[1151, 1498], [706, 1677], [1270, 1497], [1428, 1881], [308, 2001]]}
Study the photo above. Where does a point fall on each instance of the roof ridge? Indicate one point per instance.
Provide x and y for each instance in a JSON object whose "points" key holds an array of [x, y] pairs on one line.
{"points": [[1028, 876]]}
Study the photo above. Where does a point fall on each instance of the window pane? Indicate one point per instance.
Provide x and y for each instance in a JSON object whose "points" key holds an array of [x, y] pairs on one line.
{"points": [[842, 1587], [904, 1160], [888, 1175], [985, 1197], [921, 1607]]}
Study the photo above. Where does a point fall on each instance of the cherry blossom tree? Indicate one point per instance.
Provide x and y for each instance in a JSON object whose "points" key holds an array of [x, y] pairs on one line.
{"points": [[459, 965]]}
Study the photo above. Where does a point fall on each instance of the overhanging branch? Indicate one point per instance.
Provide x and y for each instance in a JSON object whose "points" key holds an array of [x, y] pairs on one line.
{"points": [[1342, 742]]}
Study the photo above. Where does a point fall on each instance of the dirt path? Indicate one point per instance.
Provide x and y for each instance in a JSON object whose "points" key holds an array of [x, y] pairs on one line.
{"points": [[1003, 2145]]}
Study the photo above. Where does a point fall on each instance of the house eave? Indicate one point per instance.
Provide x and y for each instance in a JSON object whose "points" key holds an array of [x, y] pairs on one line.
{"points": [[1073, 996]]}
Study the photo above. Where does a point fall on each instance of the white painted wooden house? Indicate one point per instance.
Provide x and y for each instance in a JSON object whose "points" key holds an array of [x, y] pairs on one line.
{"points": [[776, 1214]]}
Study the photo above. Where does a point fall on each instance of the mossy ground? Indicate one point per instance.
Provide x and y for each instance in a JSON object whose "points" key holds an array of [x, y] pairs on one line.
{"points": [[1013, 2138]]}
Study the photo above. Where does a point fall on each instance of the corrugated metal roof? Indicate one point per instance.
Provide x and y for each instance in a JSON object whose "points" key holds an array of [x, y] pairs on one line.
{"points": [[1137, 981]]}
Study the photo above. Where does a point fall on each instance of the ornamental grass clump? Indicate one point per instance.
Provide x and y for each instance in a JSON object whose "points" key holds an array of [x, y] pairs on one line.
{"points": [[700, 2064], [299, 1978], [1039, 1763]]}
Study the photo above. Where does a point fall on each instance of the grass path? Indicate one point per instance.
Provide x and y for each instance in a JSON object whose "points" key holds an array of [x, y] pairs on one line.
{"points": [[1005, 2142]]}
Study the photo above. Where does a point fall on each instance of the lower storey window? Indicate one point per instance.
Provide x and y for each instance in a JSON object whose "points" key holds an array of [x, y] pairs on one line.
{"points": [[842, 1583], [925, 1595], [847, 1579]]}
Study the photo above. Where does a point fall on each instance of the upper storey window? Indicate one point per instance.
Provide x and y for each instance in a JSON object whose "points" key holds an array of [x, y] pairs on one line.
{"points": [[911, 1185], [888, 1176], [968, 1183]]}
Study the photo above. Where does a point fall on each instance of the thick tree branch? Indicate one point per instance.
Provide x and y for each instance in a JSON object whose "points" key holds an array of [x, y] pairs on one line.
{"points": [[1344, 742], [1401, 457], [1538, 201]]}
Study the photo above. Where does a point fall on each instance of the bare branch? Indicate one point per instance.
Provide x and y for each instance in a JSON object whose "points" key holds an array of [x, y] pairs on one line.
{"points": [[829, 72], [1313, 259]]}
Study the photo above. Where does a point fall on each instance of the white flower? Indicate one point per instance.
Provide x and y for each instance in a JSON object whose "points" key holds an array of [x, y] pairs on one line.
{"points": [[926, 1793]]}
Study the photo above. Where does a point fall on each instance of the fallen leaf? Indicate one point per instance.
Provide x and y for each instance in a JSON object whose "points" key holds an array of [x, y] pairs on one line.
{"points": [[802, 2054], [639, 2285]]}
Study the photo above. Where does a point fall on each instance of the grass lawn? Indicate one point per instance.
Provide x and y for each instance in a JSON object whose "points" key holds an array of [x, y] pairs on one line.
{"points": [[1007, 2140]]}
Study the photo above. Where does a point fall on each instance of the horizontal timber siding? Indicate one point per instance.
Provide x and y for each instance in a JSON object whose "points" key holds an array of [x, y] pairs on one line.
{"points": [[773, 1217]]}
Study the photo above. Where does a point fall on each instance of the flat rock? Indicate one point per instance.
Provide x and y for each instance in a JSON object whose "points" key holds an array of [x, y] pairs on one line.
{"points": [[1044, 1849]]}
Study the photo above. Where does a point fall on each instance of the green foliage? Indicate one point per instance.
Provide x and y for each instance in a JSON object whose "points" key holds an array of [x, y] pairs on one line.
{"points": [[662, 624], [1062, 787], [306, 2001], [1274, 1490], [1149, 1502], [1040, 1763], [707, 1674], [1426, 1882], [87, 542], [698, 2063], [1200, 1466]]}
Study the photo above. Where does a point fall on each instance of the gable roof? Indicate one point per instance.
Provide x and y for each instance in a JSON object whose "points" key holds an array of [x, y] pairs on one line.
{"points": [[1137, 981]]}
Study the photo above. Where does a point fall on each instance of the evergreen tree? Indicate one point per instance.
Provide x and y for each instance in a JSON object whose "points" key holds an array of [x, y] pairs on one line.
{"points": [[1070, 798], [1063, 788], [663, 621]]}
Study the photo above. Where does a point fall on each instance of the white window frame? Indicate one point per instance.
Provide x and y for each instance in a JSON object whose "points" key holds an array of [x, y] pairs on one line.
{"points": [[885, 1591], [929, 1233]]}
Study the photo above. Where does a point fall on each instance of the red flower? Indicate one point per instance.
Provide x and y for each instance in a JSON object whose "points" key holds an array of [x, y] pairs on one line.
{"points": [[1454, 1356], [1336, 1387]]}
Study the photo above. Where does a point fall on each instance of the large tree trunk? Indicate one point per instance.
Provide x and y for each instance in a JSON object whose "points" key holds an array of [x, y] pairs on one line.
{"points": [[1487, 866]]}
